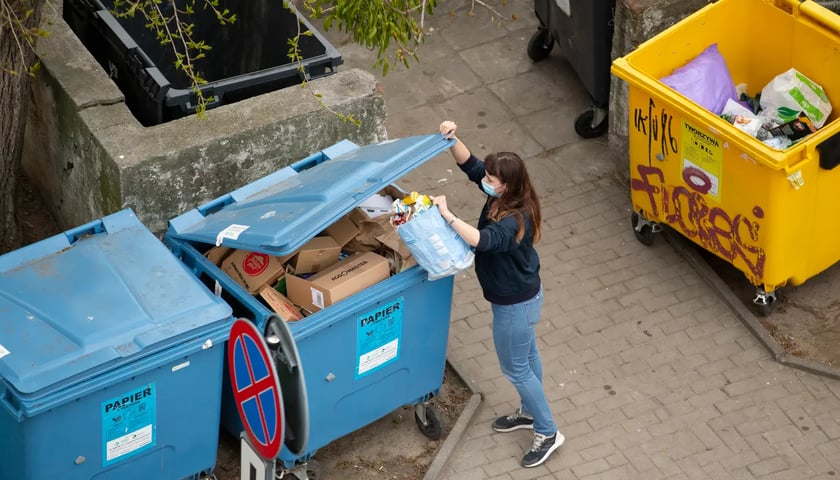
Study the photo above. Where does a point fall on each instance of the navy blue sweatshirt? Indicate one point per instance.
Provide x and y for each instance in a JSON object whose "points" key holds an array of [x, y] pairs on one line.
{"points": [[509, 272]]}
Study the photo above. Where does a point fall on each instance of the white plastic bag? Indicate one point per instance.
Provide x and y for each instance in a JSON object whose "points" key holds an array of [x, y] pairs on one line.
{"points": [[792, 92]]}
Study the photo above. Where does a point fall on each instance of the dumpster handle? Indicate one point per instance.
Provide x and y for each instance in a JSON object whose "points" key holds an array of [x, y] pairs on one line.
{"points": [[6, 399], [308, 162], [820, 16], [88, 229], [215, 205], [829, 151]]}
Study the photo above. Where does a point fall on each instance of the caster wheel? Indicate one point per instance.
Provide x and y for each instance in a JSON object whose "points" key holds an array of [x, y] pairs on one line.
{"points": [[433, 428], [584, 128], [311, 470], [765, 302], [540, 45], [643, 235], [766, 310]]}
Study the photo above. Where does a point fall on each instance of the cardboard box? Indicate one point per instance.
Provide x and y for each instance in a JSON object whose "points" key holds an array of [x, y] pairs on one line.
{"points": [[253, 270], [345, 278], [281, 305], [343, 230], [218, 254], [315, 255]]}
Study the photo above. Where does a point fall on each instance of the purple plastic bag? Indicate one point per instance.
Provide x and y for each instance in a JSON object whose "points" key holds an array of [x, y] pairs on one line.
{"points": [[705, 79]]}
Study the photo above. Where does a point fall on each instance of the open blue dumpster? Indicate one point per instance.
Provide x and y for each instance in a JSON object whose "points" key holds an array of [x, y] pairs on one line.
{"points": [[330, 385], [110, 359]]}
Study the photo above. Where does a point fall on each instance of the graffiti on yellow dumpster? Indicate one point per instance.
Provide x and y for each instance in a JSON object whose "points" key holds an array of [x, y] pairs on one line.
{"points": [[656, 127], [732, 236]]}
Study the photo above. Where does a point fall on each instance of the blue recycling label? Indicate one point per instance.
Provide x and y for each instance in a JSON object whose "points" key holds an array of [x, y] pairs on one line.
{"points": [[378, 337], [128, 424]]}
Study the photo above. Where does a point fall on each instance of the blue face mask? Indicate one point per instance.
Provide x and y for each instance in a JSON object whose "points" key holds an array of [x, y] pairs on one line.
{"points": [[489, 190]]}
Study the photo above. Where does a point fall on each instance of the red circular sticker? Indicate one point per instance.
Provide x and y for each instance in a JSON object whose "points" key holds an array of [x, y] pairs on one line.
{"points": [[255, 263]]}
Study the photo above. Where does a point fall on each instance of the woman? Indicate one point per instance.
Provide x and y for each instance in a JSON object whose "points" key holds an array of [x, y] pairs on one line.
{"points": [[507, 267]]}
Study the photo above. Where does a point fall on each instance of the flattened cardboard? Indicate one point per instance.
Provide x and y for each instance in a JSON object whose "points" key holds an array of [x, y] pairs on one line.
{"points": [[343, 230], [253, 270], [370, 228], [281, 305], [315, 255], [341, 280]]}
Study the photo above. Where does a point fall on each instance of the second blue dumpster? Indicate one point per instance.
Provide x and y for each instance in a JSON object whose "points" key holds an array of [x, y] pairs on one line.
{"points": [[110, 359], [362, 357]]}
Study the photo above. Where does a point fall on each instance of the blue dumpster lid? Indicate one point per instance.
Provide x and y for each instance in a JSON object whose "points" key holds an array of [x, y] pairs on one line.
{"points": [[95, 298], [280, 212]]}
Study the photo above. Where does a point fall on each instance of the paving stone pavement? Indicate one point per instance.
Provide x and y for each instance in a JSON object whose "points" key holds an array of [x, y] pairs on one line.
{"points": [[648, 371]]}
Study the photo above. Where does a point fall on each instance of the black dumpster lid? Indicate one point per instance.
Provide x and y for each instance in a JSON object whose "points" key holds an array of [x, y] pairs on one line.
{"points": [[278, 213]]}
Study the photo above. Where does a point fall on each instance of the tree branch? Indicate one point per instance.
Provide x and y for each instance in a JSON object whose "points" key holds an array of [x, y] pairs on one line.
{"points": [[488, 7], [15, 25]]}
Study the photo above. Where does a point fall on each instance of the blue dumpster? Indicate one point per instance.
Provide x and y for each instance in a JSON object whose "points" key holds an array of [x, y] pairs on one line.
{"points": [[110, 358], [330, 391]]}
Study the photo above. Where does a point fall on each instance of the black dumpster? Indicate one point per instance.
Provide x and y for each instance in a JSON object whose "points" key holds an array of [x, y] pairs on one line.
{"points": [[248, 57], [583, 30]]}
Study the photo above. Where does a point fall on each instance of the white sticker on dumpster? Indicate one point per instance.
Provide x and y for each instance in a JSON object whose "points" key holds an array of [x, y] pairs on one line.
{"points": [[128, 424], [232, 232], [3, 351], [378, 337]]}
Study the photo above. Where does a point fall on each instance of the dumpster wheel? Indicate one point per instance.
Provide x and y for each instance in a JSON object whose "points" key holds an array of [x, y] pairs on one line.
{"points": [[592, 123], [311, 470], [643, 229], [764, 301], [428, 421], [540, 44]]}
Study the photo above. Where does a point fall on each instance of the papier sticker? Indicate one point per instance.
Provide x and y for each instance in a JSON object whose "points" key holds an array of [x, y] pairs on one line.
{"points": [[378, 337], [129, 424]]}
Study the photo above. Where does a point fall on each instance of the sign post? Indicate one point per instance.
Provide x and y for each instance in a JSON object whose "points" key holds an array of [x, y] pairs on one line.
{"points": [[251, 465]]}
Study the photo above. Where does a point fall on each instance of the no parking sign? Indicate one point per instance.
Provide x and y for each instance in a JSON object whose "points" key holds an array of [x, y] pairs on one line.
{"points": [[256, 388]]}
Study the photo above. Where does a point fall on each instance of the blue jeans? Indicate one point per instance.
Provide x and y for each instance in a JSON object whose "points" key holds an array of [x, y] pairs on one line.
{"points": [[516, 347]]}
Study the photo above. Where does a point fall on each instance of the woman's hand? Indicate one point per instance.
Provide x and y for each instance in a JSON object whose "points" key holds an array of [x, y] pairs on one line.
{"points": [[470, 234], [447, 129], [440, 201]]}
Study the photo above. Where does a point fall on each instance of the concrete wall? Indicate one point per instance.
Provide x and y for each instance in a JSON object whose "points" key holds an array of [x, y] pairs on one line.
{"points": [[90, 157]]}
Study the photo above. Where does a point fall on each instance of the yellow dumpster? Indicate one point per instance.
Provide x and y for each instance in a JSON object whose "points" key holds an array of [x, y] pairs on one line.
{"points": [[773, 214]]}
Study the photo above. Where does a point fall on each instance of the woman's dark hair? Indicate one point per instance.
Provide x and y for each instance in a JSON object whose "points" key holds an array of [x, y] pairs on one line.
{"points": [[519, 196]]}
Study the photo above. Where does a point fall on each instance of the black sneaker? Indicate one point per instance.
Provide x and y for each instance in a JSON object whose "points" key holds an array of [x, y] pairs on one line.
{"points": [[514, 421], [542, 448]]}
